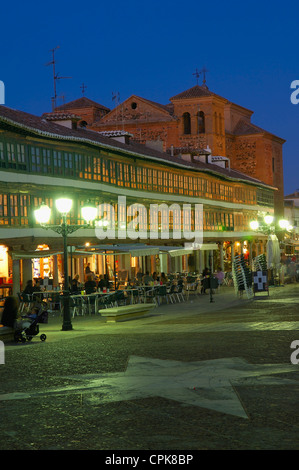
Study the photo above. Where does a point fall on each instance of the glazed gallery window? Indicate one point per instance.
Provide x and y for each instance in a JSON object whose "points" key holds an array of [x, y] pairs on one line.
{"points": [[105, 170], [139, 178], [3, 209], [68, 164], [2, 157], [87, 167], [57, 162], [13, 206], [97, 170], [11, 157], [23, 209], [132, 176], [21, 156], [46, 161], [126, 175], [112, 172], [78, 162], [35, 160], [120, 174]]}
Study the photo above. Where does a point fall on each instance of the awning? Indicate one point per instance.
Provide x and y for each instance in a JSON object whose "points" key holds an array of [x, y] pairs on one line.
{"points": [[143, 250], [273, 251], [34, 254], [181, 251], [133, 250], [208, 247], [151, 250]]}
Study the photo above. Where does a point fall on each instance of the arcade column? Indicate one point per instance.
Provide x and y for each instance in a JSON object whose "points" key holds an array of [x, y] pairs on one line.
{"points": [[55, 271], [221, 256], [26, 271], [163, 262], [81, 269], [232, 252], [16, 277]]}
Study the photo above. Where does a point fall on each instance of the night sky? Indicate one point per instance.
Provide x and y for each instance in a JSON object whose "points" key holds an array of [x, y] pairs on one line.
{"points": [[151, 49]]}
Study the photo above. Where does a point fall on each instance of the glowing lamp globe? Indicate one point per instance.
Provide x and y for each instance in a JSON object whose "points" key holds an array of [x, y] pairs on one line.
{"points": [[254, 225], [43, 214], [268, 219], [283, 223], [63, 205], [89, 212]]}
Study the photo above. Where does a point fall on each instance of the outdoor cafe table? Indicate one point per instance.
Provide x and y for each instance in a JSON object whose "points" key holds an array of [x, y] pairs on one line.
{"points": [[130, 292], [82, 298], [142, 290], [95, 295], [47, 293]]}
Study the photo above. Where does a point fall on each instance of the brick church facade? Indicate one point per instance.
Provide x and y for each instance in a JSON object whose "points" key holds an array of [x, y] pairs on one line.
{"points": [[194, 120]]}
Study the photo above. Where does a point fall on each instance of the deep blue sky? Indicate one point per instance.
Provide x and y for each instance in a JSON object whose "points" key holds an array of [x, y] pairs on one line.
{"points": [[151, 49]]}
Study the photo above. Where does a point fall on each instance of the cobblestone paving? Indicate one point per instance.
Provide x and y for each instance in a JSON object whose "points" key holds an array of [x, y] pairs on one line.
{"points": [[258, 332]]}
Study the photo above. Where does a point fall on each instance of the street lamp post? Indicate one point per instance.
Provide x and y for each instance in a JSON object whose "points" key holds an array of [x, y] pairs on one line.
{"points": [[42, 215], [211, 275]]}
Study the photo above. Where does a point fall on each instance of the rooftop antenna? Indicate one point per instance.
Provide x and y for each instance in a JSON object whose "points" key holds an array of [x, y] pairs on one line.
{"points": [[83, 88], [116, 98], [55, 77], [196, 73]]}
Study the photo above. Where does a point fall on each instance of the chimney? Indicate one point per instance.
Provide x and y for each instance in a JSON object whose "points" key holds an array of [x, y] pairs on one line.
{"points": [[63, 119], [120, 136]]}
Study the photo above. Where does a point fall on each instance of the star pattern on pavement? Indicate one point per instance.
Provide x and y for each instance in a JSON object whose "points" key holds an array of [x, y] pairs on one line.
{"points": [[209, 384]]}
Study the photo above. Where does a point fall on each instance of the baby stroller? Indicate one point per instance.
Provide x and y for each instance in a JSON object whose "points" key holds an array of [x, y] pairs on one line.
{"points": [[26, 334]]}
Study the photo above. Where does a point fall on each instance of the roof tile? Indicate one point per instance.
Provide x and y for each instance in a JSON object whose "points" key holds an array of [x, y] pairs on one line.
{"points": [[81, 103], [194, 92]]}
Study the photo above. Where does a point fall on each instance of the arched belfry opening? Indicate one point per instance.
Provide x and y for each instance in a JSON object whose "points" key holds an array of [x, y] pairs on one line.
{"points": [[201, 127], [187, 123]]}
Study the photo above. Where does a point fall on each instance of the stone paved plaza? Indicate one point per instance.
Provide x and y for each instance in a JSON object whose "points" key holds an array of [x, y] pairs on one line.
{"points": [[192, 376]]}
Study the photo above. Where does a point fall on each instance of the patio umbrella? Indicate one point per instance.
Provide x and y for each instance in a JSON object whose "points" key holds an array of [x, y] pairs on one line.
{"points": [[273, 252]]}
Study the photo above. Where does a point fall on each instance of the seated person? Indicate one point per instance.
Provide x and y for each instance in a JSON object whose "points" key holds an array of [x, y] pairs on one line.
{"points": [[90, 285], [75, 288], [29, 289], [10, 315], [33, 312], [147, 278], [37, 288], [102, 282]]}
